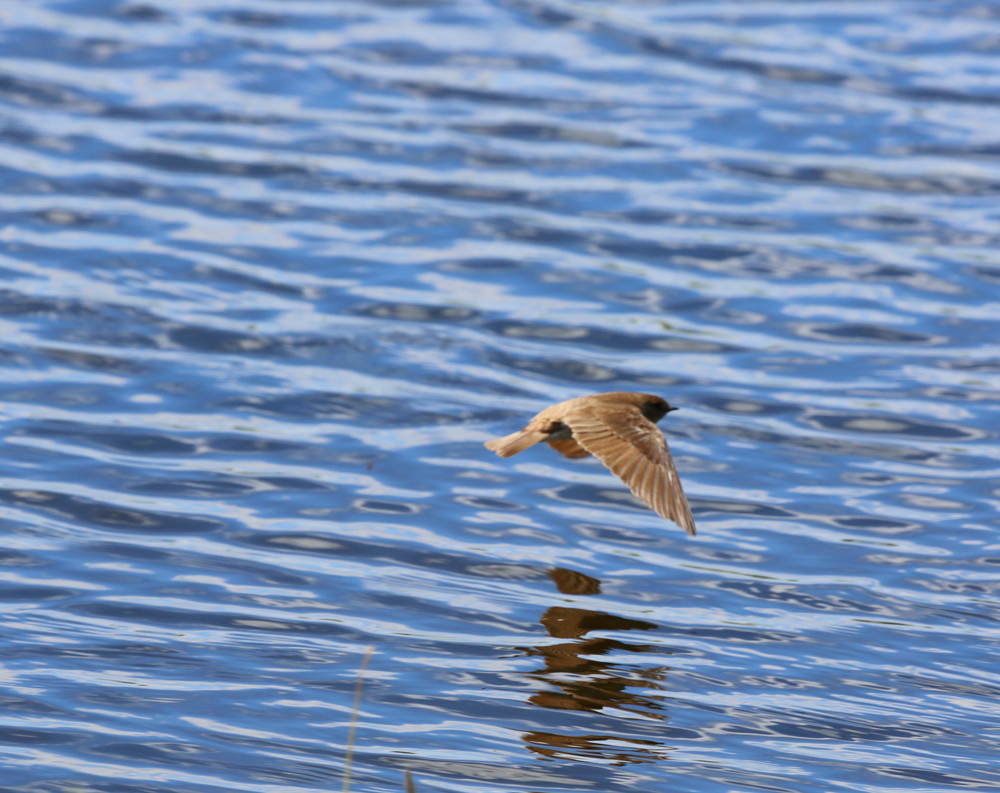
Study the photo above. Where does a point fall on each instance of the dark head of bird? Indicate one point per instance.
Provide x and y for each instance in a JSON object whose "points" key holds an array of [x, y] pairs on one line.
{"points": [[654, 408]]}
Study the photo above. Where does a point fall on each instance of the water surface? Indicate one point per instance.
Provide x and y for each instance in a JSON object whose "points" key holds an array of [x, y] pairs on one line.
{"points": [[270, 273]]}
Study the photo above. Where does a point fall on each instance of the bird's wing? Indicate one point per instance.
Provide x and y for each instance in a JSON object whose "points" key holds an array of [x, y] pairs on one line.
{"points": [[569, 448], [636, 452]]}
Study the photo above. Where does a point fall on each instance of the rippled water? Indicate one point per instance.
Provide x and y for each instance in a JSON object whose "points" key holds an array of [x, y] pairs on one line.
{"points": [[273, 271]]}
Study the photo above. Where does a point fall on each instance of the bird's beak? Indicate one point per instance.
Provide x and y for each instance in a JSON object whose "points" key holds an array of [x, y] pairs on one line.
{"points": [[672, 409]]}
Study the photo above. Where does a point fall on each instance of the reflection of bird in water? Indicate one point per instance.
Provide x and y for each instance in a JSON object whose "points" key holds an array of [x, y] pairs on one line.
{"points": [[587, 685], [606, 747], [593, 684], [571, 582], [619, 429]]}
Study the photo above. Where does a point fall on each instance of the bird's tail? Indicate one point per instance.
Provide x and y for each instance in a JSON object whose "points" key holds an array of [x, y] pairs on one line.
{"points": [[510, 445]]}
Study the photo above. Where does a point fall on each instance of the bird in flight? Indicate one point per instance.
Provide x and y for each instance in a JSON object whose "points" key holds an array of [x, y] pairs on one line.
{"points": [[619, 429]]}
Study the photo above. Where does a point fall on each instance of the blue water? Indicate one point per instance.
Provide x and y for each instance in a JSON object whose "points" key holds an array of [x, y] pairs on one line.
{"points": [[271, 272]]}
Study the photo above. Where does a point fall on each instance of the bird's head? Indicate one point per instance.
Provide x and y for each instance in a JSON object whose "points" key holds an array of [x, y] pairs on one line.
{"points": [[655, 408]]}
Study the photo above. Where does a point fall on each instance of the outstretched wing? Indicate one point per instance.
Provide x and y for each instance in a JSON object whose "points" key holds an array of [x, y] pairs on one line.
{"points": [[636, 452]]}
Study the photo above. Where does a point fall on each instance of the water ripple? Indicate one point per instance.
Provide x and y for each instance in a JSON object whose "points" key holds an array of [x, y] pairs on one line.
{"points": [[271, 274]]}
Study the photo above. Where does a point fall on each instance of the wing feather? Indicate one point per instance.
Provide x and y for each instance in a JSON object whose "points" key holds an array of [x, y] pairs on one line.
{"points": [[631, 467], [635, 451]]}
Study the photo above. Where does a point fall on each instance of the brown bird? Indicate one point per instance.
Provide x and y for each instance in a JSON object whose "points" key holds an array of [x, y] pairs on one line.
{"points": [[619, 429]]}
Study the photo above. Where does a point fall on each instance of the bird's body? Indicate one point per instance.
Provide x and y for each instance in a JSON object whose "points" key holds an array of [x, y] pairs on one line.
{"points": [[619, 429]]}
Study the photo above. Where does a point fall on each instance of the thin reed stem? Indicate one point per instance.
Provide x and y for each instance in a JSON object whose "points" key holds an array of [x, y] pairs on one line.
{"points": [[354, 719]]}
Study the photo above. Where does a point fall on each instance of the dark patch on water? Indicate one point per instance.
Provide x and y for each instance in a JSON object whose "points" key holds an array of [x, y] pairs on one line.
{"points": [[741, 406], [880, 424], [366, 410], [108, 516], [180, 163], [715, 506], [416, 313], [386, 507], [192, 488], [789, 594], [869, 180], [865, 334], [599, 337], [129, 443]]}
